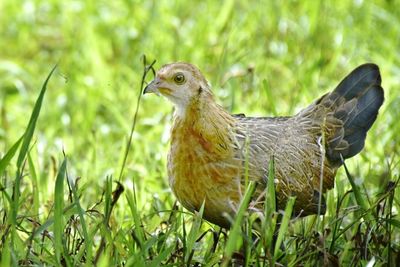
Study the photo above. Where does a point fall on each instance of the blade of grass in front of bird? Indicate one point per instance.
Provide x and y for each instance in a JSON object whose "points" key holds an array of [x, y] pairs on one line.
{"points": [[284, 225], [233, 241], [58, 211], [210, 257], [193, 233], [246, 161], [249, 244], [270, 206]]}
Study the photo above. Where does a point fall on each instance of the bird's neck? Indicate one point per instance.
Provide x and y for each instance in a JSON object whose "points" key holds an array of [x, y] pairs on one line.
{"points": [[204, 120]]}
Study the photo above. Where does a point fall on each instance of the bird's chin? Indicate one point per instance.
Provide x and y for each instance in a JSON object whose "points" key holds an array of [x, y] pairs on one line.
{"points": [[180, 109]]}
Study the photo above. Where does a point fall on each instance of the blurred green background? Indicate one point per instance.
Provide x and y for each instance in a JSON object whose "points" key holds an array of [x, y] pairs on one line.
{"points": [[261, 57]]}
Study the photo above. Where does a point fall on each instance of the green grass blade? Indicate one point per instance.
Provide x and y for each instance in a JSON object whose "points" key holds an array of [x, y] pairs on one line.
{"points": [[161, 257], [284, 225], [26, 139], [270, 205], [232, 242], [394, 222], [107, 200], [58, 211], [138, 230], [9, 155], [81, 214], [223, 17], [35, 186], [32, 121], [271, 199], [68, 211], [361, 200], [192, 236], [5, 259]]}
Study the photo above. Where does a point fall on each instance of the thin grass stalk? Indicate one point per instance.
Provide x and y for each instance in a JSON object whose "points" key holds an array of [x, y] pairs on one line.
{"points": [[146, 69]]}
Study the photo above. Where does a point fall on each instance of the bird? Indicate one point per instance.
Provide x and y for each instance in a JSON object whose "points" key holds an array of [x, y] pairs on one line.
{"points": [[214, 153]]}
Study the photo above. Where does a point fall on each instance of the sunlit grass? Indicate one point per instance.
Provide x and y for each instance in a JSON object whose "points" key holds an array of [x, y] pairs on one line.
{"points": [[60, 202]]}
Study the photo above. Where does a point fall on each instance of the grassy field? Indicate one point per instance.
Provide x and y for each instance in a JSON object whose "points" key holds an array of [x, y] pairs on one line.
{"points": [[72, 194]]}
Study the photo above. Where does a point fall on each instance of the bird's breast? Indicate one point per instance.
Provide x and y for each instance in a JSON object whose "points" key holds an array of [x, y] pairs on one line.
{"points": [[199, 171]]}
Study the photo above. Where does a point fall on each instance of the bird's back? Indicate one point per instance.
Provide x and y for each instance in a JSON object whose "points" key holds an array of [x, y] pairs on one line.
{"points": [[309, 147], [296, 145]]}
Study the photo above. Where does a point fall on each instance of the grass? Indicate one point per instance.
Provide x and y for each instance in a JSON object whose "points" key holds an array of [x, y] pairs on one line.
{"points": [[72, 194]]}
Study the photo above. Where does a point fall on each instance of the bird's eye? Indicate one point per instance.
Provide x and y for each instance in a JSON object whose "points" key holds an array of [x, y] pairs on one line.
{"points": [[179, 78]]}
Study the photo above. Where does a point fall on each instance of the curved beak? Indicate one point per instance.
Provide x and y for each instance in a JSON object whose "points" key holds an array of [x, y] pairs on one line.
{"points": [[152, 87]]}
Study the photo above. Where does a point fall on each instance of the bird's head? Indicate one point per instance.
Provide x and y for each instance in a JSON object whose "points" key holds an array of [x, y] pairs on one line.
{"points": [[181, 83]]}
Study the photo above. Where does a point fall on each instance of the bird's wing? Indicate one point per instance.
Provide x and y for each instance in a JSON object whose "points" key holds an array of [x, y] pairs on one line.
{"points": [[296, 153]]}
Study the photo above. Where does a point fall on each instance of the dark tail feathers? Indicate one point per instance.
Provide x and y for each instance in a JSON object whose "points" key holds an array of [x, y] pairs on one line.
{"points": [[354, 104]]}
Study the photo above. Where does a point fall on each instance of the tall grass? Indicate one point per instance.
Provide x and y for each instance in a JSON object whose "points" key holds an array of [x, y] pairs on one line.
{"points": [[83, 183]]}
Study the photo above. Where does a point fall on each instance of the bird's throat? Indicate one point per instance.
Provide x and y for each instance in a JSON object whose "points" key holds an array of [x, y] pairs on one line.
{"points": [[206, 123]]}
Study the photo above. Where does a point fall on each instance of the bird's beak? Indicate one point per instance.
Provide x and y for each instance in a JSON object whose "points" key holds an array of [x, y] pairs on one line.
{"points": [[152, 87]]}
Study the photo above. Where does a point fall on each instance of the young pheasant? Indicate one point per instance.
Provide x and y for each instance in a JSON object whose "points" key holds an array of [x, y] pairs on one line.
{"points": [[212, 150]]}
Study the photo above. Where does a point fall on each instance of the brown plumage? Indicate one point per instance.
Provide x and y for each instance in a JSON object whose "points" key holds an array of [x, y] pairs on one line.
{"points": [[210, 148]]}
